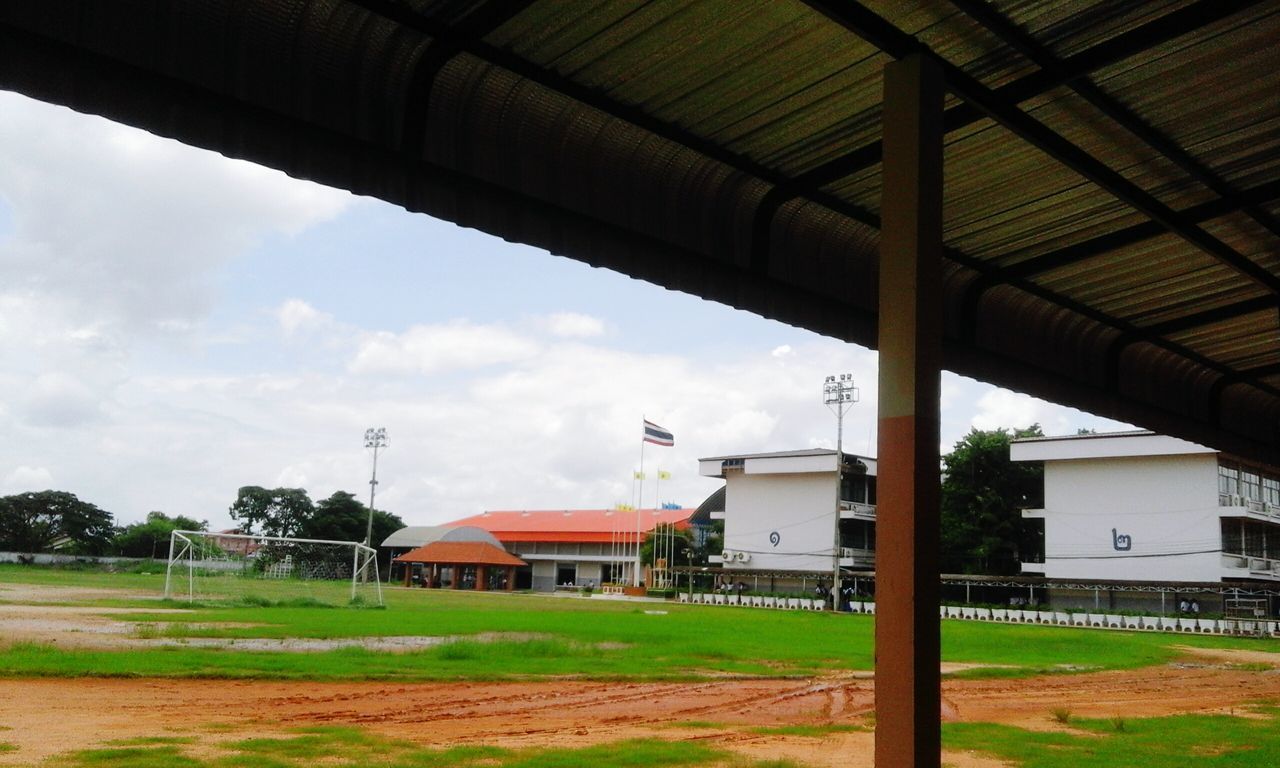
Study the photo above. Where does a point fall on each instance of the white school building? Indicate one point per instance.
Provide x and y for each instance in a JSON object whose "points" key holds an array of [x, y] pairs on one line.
{"points": [[1138, 506], [780, 511]]}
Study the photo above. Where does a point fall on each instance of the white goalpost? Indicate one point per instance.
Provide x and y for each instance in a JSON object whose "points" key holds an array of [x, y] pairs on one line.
{"points": [[219, 566]]}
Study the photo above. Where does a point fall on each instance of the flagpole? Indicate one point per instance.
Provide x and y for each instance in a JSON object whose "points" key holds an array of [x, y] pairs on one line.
{"points": [[635, 578]]}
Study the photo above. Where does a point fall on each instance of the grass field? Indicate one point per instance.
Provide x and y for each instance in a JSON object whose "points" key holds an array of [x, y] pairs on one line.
{"points": [[515, 639], [530, 636]]}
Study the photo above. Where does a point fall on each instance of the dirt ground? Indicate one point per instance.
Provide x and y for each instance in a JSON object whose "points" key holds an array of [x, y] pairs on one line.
{"points": [[49, 716], [45, 717]]}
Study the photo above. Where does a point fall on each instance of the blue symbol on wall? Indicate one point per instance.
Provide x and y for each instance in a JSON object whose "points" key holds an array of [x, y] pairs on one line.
{"points": [[1122, 542], [774, 538]]}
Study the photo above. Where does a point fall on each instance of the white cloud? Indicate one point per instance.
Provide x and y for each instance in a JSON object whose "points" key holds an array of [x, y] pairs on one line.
{"points": [[574, 325], [431, 349], [123, 232], [781, 351], [296, 315], [58, 400], [24, 479]]}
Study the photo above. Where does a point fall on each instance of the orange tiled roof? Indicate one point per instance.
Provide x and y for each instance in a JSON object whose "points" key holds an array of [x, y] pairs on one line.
{"points": [[460, 552], [573, 525]]}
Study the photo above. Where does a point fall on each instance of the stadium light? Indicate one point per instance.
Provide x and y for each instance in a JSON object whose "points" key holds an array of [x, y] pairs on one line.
{"points": [[377, 440], [839, 393]]}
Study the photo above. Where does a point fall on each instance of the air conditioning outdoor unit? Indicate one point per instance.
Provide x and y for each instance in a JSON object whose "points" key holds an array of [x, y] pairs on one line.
{"points": [[744, 557], [727, 556]]}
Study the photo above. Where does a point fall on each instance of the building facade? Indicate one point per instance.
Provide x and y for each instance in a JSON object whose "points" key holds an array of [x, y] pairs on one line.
{"points": [[1137, 506], [780, 511], [574, 547]]}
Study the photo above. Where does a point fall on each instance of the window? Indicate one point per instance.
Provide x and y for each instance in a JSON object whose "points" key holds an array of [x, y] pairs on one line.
{"points": [[1251, 485], [1271, 491], [1228, 480]]}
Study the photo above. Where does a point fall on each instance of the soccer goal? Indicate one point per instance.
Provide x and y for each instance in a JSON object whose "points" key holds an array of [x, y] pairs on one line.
{"points": [[231, 566]]}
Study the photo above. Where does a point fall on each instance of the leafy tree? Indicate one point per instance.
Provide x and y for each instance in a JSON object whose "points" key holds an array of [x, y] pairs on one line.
{"points": [[150, 538], [276, 512], [33, 522], [983, 494], [342, 517], [683, 549]]}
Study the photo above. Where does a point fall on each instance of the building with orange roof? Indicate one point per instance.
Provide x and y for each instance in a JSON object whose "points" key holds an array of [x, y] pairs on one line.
{"points": [[575, 547], [476, 565]]}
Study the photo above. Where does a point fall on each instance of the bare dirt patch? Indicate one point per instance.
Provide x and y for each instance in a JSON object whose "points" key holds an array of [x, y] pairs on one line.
{"points": [[1232, 656], [50, 716]]}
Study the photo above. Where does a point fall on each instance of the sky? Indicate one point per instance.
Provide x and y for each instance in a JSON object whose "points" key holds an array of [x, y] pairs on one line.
{"points": [[175, 325]]}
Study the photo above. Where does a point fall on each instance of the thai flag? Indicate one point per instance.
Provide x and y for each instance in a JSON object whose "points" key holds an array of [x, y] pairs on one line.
{"points": [[657, 435]]}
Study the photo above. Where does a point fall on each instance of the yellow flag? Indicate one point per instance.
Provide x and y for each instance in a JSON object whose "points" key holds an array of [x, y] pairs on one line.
{"points": [[639, 475], [664, 474]]}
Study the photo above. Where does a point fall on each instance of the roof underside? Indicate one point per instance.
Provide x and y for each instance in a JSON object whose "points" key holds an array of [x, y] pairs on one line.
{"points": [[1112, 206]]}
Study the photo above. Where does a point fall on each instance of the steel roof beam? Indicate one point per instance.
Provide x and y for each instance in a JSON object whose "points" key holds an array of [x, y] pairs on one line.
{"points": [[884, 35], [1013, 35]]}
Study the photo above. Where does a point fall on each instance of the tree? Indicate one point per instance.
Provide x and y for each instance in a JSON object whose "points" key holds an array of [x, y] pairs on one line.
{"points": [[983, 495], [150, 538], [342, 517], [277, 512], [683, 548], [35, 522]]}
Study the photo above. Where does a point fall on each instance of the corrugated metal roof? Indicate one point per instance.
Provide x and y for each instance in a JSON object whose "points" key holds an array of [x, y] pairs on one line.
{"points": [[1112, 166]]}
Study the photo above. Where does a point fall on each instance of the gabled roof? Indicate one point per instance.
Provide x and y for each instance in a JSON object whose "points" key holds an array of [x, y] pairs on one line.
{"points": [[460, 553], [569, 525]]}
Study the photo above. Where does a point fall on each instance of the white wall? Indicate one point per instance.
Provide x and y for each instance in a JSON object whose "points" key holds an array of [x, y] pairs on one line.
{"points": [[1164, 504], [800, 508]]}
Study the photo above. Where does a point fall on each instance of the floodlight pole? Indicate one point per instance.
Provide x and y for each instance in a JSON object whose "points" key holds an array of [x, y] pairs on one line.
{"points": [[839, 393], [377, 440]]}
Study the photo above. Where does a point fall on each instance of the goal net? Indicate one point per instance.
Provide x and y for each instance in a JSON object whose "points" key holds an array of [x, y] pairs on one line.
{"points": [[229, 567]]}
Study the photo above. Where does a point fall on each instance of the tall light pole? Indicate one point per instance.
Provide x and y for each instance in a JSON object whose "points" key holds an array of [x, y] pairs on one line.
{"points": [[839, 393], [377, 440]]}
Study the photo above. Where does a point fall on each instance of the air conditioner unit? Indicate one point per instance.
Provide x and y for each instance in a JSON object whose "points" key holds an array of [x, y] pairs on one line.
{"points": [[727, 556], [744, 557]]}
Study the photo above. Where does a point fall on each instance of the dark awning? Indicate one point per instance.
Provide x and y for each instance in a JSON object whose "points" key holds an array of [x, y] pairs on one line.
{"points": [[1112, 168]]}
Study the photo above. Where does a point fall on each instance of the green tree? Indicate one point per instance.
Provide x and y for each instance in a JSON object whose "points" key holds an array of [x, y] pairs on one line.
{"points": [[150, 538], [343, 517], [983, 494], [276, 512], [683, 549], [33, 522]]}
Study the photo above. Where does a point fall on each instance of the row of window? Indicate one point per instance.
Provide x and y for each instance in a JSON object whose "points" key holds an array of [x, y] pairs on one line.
{"points": [[1242, 481]]}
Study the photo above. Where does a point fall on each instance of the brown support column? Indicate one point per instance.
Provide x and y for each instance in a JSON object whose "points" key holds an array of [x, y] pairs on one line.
{"points": [[456, 570], [482, 578], [511, 578], [408, 573], [908, 686]]}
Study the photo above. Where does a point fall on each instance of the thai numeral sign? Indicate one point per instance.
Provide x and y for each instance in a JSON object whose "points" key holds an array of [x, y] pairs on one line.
{"points": [[1122, 542]]}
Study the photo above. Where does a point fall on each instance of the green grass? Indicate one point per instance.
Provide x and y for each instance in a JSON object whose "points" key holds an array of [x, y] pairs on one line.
{"points": [[1213, 741], [7, 747], [551, 637], [353, 747]]}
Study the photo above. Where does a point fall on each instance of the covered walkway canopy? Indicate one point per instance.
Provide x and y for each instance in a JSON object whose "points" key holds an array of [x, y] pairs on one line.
{"points": [[1107, 238], [474, 562]]}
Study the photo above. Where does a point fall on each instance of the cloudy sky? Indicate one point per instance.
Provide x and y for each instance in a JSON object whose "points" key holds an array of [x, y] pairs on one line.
{"points": [[175, 325]]}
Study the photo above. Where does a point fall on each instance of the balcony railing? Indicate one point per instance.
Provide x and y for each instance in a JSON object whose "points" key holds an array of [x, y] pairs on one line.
{"points": [[859, 510], [1255, 566]]}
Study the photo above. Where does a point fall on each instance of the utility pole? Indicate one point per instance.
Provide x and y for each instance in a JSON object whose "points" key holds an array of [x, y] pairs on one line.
{"points": [[839, 394]]}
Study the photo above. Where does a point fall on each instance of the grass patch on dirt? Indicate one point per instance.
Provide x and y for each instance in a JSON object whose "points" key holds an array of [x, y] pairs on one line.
{"points": [[1217, 741], [354, 747]]}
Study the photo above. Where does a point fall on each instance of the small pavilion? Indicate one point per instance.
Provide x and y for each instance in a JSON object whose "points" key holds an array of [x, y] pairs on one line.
{"points": [[474, 565]]}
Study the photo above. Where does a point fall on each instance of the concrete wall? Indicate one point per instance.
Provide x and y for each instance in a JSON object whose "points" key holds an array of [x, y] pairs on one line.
{"points": [[1164, 504], [544, 575], [798, 508]]}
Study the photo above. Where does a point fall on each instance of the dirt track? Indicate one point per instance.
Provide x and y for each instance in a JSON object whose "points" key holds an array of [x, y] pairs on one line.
{"points": [[51, 716]]}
